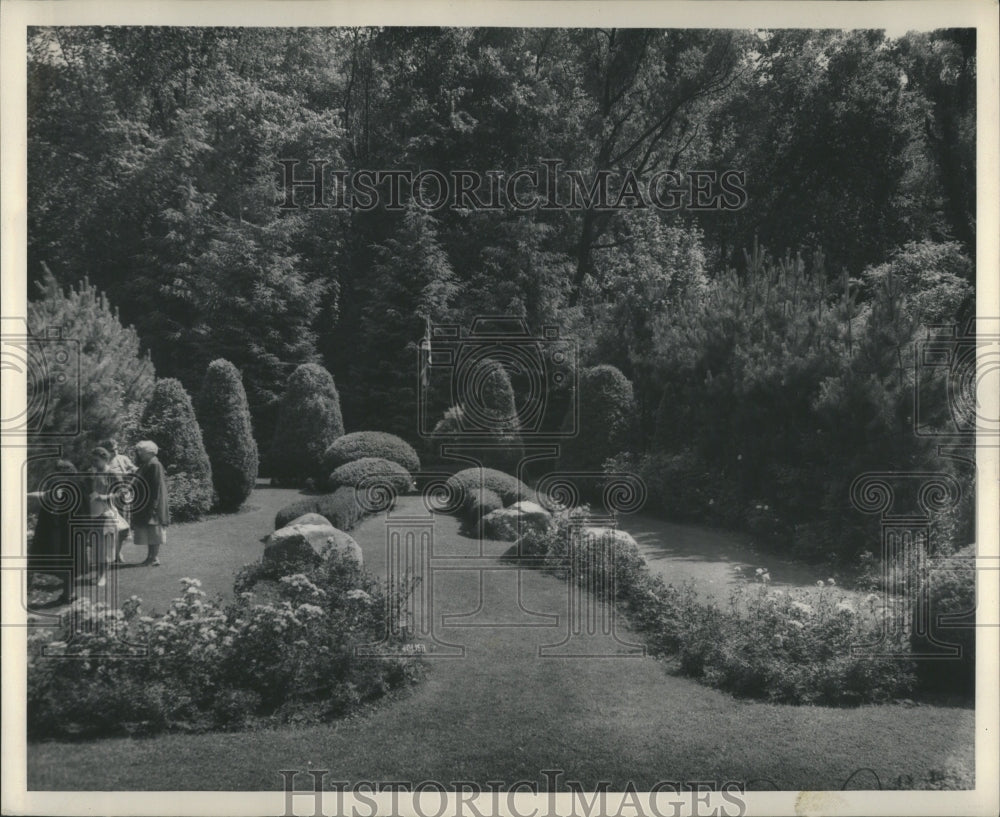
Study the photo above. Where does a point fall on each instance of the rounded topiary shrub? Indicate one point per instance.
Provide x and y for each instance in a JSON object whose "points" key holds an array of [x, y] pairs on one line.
{"points": [[472, 481], [169, 421], [479, 503], [372, 469], [341, 509], [607, 419], [224, 416], [359, 444], [309, 420], [949, 590]]}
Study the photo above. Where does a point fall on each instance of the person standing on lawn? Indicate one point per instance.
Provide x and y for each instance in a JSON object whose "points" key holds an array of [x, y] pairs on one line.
{"points": [[52, 545], [152, 515], [121, 468], [98, 488]]}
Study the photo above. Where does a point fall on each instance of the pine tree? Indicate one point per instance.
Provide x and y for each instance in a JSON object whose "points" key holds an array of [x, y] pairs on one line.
{"points": [[87, 377], [169, 421], [228, 433]]}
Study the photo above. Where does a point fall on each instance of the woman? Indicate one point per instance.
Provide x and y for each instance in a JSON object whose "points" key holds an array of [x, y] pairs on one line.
{"points": [[121, 468], [97, 488], [152, 514], [51, 547]]}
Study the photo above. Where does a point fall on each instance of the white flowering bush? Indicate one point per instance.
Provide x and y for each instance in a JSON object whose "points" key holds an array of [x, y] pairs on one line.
{"points": [[799, 646], [203, 665]]}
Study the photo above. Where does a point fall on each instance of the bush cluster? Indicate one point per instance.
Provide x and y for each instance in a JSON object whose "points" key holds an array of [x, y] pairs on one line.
{"points": [[341, 509], [790, 647], [370, 470], [214, 667], [949, 591], [472, 481], [360, 444], [169, 421], [227, 431], [778, 386]]}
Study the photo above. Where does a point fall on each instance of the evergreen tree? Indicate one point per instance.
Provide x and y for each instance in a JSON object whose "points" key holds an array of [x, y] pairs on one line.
{"points": [[87, 378], [309, 420], [170, 422], [228, 434]]}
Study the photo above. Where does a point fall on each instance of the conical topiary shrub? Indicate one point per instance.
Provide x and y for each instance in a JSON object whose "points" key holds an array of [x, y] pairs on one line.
{"points": [[309, 420], [169, 421], [485, 416], [228, 434]]}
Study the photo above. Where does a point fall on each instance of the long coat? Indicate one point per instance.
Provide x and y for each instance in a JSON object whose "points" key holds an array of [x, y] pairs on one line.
{"points": [[156, 502]]}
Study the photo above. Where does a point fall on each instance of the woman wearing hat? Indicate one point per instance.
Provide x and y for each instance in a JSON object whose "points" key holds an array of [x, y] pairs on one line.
{"points": [[152, 515]]}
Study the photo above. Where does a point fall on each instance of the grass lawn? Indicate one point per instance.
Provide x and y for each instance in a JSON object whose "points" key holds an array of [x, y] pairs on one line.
{"points": [[501, 712]]}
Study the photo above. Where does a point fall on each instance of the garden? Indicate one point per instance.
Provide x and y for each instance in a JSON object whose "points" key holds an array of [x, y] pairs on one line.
{"points": [[649, 415]]}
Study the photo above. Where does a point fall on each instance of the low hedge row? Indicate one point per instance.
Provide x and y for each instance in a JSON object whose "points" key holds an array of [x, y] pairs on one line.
{"points": [[787, 647]]}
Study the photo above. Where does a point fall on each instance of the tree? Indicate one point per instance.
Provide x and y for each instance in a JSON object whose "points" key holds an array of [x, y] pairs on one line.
{"points": [[87, 376], [409, 282], [228, 433], [169, 421], [309, 420]]}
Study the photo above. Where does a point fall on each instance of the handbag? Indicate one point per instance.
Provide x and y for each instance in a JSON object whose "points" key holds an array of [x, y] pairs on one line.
{"points": [[120, 522]]}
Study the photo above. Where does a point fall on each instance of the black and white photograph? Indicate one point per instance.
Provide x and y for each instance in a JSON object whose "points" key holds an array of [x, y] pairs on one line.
{"points": [[528, 409]]}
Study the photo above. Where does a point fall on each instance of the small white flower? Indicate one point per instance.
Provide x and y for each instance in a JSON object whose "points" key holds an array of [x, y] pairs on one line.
{"points": [[819, 583], [830, 582]]}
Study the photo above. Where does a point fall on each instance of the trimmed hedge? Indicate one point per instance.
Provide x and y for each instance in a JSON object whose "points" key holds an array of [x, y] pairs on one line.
{"points": [[352, 473], [169, 421], [224, 415], [341, 509], [472, 480], [477, 504], [360, 444], [607, 419], [309, 420]]}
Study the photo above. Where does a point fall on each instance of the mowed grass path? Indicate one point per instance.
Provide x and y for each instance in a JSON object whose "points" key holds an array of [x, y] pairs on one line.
{"points": [[501, 712]]}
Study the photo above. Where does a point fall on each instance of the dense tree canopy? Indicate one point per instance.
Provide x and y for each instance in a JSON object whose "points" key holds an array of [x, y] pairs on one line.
{"points": [[154, 169]]}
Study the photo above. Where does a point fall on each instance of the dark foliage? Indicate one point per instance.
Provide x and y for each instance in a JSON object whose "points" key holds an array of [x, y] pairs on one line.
{"points": [[360, 444], [227, 431], [309, 421], [370, 472], [169, 421]]}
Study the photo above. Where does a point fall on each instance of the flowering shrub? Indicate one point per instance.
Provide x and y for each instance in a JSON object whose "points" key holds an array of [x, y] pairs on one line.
{"points": [[205, 666], [784, 646]]}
